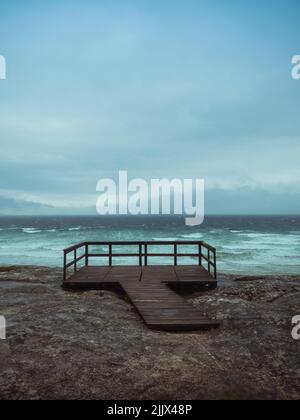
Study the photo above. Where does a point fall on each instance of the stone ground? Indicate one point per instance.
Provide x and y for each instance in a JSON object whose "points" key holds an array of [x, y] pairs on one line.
{"points": [[93, 345]]}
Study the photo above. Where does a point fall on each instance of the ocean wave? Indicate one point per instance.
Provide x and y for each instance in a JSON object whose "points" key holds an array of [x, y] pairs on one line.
{"points": [[270, 235], [262, 235], [192, 236], [48, 248], [164, 239], [290, 257], [31, 230], [239, 253], [51, 230], [74, 228], [218, 231], [96, 227]]}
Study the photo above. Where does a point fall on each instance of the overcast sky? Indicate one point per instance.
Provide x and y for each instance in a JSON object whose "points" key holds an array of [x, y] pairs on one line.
{"points": [[186, 89]]}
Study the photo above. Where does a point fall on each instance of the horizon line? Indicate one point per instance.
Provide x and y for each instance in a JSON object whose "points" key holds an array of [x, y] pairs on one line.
{"points": [[149, 215]]}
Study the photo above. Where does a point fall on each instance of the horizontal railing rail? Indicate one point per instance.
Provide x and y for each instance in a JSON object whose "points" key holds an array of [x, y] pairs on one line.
{"points": [[143, 254]]}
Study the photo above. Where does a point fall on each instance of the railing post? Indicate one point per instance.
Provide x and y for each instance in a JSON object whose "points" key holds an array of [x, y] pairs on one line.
{"points": [[110, 254], [175, 255], [86, 255], [215, 263], [208, 255], [75, 262], [65, 263], [140, 255], [200, 255], [146, 255]]}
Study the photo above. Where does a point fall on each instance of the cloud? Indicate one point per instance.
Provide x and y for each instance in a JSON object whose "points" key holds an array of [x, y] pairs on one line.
{"points": [[189, 92], [10, 206]]}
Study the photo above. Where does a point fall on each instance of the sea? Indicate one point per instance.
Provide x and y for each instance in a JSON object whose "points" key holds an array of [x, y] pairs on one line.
{"points": [[246, 245]]}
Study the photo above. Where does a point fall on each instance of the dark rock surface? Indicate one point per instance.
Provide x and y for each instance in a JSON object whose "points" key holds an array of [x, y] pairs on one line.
{"points": [[92, 345]]}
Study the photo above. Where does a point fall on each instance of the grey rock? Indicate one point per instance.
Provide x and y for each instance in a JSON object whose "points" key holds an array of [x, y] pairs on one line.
{"points": [[92, 345]]}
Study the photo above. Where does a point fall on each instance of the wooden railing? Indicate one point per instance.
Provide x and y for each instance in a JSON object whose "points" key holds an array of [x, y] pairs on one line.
{"points": [[143, 253]]}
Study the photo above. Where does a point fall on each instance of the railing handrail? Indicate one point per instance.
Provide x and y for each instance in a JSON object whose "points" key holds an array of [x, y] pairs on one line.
{"points": [[143, 253], [128, 243], [72, 248]]}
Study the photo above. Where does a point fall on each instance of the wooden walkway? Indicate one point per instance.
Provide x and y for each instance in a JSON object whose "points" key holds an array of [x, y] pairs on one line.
{"points": [[147, 288]]}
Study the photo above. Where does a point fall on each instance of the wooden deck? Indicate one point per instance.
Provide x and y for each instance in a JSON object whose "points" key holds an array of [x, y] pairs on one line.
{"points": [[148, 290]]}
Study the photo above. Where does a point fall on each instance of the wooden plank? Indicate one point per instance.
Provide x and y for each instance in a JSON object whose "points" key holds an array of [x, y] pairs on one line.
{"points": [[161, 308], [131, 274], [179, 326], [192, 274], [95, 275]]}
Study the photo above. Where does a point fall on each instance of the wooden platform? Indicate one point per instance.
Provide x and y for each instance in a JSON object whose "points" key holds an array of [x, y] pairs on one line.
{"points": [[148, 289]]}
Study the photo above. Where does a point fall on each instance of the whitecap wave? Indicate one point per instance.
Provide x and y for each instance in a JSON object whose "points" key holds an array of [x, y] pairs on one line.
{"points": [[31, 230], [193, 236], [74, 228], [164, 239]]}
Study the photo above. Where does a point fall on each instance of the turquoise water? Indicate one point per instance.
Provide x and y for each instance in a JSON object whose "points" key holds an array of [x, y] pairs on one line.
{"points": [[245, 244]]}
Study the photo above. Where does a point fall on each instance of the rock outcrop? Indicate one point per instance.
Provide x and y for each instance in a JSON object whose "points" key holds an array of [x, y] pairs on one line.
{"points": [[92, 345]]}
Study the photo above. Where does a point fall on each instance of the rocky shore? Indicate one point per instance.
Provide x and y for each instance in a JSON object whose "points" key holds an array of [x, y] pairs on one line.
{"points": [[93, 345]]}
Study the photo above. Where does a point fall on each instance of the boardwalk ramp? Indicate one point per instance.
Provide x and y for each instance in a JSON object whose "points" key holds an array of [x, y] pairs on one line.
{"points": [[149, 289]]}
